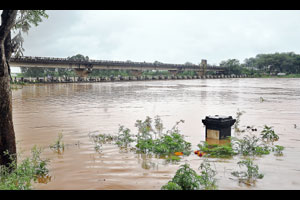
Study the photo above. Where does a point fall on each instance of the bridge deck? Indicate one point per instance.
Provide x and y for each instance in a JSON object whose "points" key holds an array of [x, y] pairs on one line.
{"points": [[48, 62]]}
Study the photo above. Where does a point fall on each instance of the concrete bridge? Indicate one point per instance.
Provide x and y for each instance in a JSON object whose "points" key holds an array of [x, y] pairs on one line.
{"points": [[83, 68]]}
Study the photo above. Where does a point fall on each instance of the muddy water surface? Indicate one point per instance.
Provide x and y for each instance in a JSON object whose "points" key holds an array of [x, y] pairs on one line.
{"points": [[42, 111]]}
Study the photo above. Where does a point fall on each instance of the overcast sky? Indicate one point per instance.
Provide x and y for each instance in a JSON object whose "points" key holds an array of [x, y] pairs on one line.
{"points": [[170, 36]]}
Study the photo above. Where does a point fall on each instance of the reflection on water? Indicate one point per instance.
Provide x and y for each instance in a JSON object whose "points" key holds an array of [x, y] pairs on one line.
{"points": [[42, 111]]}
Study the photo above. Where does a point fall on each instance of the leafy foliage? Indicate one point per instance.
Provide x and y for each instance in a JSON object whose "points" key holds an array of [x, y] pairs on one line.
{"points": [[207, 176], [278, 150], [124, 137], [165, 144], [101, 139], [29, 170], [250, 145], [269, 134], [216, 150], [24, 20], [237, 122], [187, 179], [250, 175]]}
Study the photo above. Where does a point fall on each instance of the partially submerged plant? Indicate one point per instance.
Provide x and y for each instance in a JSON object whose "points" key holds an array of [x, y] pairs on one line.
{"points": [[158, 125], [124, 137], [250, 175], [261, 99], [169, 144], [59, 145], [100, 139], [166, 144], [250, 145], [278, 150], [187, 179], [216, 150], [207, 176], [237, 122], [269, 134]]}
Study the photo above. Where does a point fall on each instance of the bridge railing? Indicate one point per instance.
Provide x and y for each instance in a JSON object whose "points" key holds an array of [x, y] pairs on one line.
{"points": [[29, 59]]}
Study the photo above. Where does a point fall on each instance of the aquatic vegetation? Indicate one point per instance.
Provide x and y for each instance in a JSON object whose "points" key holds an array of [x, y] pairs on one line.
{"points": [[165, 144], [21, 176], [207, 179], [187, 179], [59, 145], [171, 186], [269, 134], [237, 122], [216, 150], [172, 159], [148, 140], [124, 137], [278, 150], [250, 175], [158, 125], [101, 139], [250, 145], [172, 143]]}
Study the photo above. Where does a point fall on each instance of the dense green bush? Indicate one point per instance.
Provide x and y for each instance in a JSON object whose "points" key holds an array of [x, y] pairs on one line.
{"points": [[187, 179], [216, 150]]}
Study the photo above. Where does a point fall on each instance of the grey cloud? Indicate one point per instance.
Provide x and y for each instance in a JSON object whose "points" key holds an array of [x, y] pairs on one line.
{"points": [[167, 36]]}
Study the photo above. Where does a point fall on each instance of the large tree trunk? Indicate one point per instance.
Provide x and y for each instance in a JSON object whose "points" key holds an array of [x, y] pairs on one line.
{"points": [[7, 134]]}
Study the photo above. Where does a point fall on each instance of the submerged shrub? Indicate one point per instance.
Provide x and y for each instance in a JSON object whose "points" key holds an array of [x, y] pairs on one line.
{"points": [[187, 179], [165, 144], [250, 175], [59, 145], [124, 137], [216, 150], [278, 150], [169, 144], [171, 186], [237, 122], [100, 139], [269, 134], [250, 145], [207, 176]]}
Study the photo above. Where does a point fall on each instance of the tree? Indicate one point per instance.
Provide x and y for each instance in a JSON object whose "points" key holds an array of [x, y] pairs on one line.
{"points": [[11, 20], [79, 57], [232, 66]]}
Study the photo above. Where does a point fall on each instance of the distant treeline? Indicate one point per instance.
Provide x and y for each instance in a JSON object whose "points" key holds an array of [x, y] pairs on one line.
{"points": [[288, 63]]}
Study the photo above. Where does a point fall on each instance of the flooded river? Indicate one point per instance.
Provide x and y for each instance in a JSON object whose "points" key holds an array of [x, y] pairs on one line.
{"points": [[42, 111]]}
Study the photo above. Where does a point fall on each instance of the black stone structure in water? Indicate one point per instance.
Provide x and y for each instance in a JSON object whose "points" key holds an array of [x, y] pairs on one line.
{"points": [[218, 127]]}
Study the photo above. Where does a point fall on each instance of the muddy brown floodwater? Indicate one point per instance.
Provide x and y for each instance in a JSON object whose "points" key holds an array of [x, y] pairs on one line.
{"points": [[76, 110]]}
